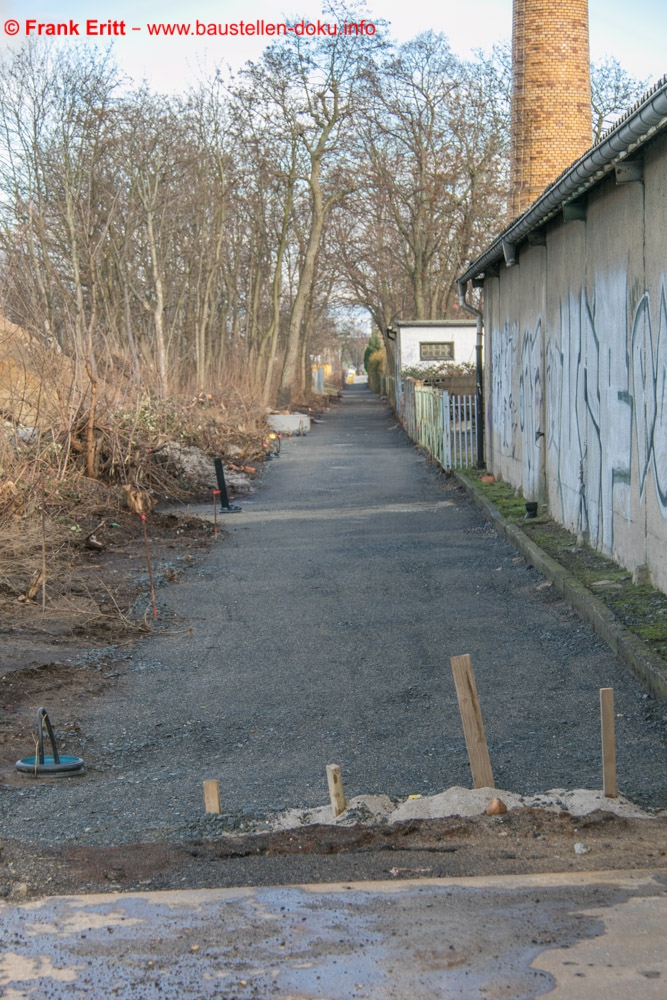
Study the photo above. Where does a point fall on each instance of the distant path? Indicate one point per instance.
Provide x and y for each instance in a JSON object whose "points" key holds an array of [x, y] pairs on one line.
{"points": [[321, 631]]}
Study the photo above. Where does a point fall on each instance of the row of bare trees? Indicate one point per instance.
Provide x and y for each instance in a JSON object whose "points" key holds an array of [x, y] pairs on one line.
{"points": [[214, 237], [433, 152], [193, 239]]}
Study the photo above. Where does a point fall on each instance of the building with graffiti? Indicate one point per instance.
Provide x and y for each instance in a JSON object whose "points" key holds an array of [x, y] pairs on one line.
{"points": [[575, 342]]}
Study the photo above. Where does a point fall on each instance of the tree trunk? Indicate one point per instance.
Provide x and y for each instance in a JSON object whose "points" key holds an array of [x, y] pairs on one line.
{"points": [[158, 311], [296, 331]]}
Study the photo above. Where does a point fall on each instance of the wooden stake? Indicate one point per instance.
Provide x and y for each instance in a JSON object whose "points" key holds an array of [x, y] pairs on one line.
{"points": [[609, 782], [35, 583], [471, 717], [212, 796], [336, 793]]}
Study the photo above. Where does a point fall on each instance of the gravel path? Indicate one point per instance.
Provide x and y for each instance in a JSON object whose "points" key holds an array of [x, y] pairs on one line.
{"points": [[320, 630]]}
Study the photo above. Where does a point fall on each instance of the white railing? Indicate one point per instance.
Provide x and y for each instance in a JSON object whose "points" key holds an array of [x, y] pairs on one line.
{"points": [[442, 424]]}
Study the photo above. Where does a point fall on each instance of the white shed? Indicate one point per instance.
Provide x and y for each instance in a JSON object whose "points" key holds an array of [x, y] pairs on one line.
{"points": [[428, 342]]}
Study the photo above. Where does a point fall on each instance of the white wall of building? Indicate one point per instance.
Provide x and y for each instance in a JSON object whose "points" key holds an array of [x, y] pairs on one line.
{"points": [[410, 335], [576, 370]]}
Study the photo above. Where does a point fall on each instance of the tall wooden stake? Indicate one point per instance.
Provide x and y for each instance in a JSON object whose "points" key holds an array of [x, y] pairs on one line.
{"points": [[336, 793], [471, 717], [609, 782]]}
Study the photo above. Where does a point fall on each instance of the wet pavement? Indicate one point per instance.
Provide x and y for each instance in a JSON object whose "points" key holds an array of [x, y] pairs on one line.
{"points": [[571, 937]]}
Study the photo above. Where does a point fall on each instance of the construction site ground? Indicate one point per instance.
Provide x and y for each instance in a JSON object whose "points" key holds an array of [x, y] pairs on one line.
{"points": [[316, 629]]}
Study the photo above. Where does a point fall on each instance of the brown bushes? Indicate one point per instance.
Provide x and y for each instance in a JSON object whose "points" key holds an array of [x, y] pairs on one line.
{"points": [[73, 449]]}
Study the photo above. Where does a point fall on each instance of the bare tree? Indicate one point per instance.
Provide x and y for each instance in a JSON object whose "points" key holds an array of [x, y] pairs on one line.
{"points": [[613, 91], [433, 149], [212, 237], [311, 89], [59, 203]]}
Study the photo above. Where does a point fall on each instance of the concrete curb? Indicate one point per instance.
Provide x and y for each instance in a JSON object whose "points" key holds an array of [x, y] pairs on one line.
{"points": [[628, 647]]}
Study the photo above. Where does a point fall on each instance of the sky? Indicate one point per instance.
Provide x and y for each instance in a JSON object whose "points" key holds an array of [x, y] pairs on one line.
{"points": [[636, 34]]}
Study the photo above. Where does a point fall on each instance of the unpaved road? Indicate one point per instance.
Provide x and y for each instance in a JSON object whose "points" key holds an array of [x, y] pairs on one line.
{"points": [[319, 630]]}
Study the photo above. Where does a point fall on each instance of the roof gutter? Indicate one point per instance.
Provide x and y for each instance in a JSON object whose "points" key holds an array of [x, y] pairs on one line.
{"points": [[632, 130]]}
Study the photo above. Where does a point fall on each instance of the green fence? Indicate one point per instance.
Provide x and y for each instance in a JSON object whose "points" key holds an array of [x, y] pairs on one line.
{"points": [[441, 424]]}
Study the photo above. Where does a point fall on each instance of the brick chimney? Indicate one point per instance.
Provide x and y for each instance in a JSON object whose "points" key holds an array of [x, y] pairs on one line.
{"points": [[551, 94]]}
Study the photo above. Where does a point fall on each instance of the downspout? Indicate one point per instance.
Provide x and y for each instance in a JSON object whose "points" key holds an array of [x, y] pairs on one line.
{"points": [[390, 334], [478, 370]]}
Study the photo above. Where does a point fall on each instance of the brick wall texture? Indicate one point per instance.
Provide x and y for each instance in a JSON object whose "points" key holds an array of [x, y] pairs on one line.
{"points": [[551, 94]]}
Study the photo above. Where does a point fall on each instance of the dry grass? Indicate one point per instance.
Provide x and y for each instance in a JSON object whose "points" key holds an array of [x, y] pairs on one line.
{"points": [[70, 443], [62, 424]]}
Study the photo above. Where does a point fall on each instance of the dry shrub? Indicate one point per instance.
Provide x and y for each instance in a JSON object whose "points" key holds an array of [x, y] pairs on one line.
{"points": [[61, 424], [21, 552], [35, 380], [75, 444], [49, 501], [377, 369]]}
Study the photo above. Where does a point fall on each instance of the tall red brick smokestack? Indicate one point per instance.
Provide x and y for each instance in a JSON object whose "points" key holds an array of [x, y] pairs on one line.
{"points": [[551, 94]]}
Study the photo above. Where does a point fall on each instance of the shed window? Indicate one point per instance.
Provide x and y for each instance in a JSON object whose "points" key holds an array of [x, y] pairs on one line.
{"points": [[438, 351]]}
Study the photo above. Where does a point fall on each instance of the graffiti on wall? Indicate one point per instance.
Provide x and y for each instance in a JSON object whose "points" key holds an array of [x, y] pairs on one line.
{"points": [[517, 410], [504, 352], [589, 416], [605, 405], [649, 391], [530, 408]]}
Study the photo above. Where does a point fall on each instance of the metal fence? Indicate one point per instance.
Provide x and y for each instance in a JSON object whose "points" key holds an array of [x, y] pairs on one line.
{"points": [[444, 425]]}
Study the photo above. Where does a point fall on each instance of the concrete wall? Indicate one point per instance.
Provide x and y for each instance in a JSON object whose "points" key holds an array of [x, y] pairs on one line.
{"points": [[515, 377], [576, 359]]}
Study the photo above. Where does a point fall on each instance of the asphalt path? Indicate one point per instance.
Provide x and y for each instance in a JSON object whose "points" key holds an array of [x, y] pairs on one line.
{"points": [[319, 630]]}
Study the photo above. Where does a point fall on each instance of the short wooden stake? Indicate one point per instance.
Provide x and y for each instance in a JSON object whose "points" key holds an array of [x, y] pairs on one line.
{"points": [[336, 793], [609, 782], [212, 796], [471, 717]]}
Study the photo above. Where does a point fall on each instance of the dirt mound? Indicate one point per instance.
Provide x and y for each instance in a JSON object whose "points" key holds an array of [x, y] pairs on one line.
{"points": [[196, 467], [527, 841]]}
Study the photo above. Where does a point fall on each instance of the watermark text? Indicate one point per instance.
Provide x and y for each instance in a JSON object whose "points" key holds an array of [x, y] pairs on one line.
{"points": [[110, 28]]}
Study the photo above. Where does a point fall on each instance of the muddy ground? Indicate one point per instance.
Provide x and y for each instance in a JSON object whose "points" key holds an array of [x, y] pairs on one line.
{"points": [[523, 841], [46, 654], [100, 596], [68, 655]]}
